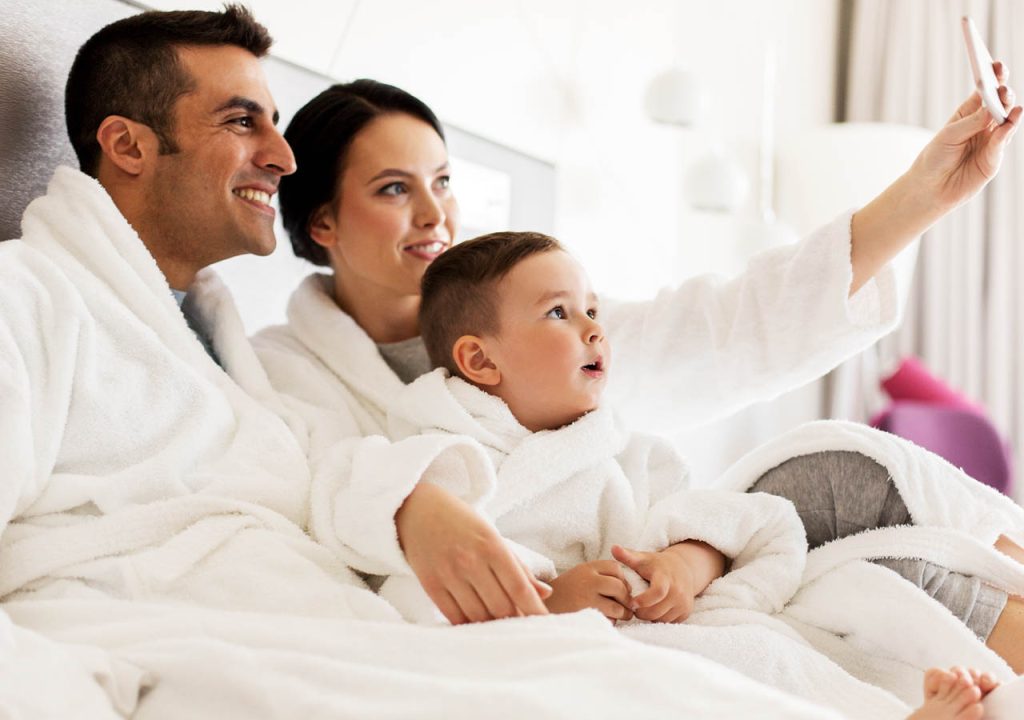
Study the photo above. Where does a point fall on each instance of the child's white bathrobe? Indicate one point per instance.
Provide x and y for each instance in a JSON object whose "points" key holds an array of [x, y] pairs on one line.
{"points": [[568, 494], [693, 354], [564, 497], [154, 512]]}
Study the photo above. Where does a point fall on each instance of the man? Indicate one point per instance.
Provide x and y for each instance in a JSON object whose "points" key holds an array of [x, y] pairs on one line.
{"points": [[155, 492]]}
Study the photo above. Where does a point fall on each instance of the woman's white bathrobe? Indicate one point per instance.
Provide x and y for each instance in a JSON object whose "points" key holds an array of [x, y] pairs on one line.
{"points": [[692, 354], [563, 497], [153, 510]]}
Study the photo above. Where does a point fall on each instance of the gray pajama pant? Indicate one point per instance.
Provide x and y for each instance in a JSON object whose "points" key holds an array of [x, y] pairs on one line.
{"points": [[840, 493]]}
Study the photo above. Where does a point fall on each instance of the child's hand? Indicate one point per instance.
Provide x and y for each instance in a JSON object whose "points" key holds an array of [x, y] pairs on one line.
{"points": [[597, 584], [672, 588]]}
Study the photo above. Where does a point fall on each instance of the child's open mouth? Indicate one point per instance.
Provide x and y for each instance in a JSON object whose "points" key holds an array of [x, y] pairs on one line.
{"points": [[594, 369]]}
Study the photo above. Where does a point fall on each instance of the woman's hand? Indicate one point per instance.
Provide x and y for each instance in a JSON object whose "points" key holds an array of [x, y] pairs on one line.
{"points": [[598, 584], [962, 157], [967, 152], [462, 563]]}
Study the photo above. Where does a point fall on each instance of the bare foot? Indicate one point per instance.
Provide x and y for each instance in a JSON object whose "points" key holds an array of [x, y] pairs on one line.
{"points": [[953, 695]]}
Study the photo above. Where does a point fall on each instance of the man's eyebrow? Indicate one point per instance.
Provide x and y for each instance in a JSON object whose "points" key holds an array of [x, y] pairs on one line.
{"points": [[390, 172], [249, 105]]}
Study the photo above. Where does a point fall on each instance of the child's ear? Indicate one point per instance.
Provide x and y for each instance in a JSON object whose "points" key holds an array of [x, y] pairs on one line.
{"points": [[470, 355], [321, 226]]}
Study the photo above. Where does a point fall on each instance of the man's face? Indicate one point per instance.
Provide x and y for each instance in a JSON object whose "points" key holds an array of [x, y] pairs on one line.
{"points": [[211, 199]]}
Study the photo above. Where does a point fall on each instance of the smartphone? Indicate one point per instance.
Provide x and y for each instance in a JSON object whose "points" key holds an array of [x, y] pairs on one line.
{"points": [[981, 68]]}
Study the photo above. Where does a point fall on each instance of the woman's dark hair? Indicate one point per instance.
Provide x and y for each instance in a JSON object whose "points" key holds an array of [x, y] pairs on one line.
{"points": [[131, 68], [320, 135]]}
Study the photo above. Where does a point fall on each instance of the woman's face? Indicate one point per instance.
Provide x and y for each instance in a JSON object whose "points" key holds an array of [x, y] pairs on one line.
{"points": [[394, 212]]}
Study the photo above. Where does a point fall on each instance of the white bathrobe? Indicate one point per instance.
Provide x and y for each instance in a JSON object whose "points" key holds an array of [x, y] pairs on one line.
{"points": [[567, 495], [692, 354], [564, 497], [153, 512]]}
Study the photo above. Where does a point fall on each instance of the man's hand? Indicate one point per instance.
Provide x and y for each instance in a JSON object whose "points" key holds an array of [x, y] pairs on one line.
{"points": [[677, 575], [598, 584], [462, 563]]}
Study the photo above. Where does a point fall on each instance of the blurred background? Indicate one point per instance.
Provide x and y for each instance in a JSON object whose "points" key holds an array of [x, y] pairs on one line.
{"points": [[659, 141]]}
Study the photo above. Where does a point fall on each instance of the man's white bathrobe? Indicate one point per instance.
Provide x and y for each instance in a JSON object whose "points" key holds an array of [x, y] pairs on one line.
{"points": [[154, 513], [692, 354], [563, 497]]}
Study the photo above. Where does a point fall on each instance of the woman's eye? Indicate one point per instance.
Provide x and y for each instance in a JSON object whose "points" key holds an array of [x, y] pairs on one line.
{"points": [[444, 182], [558, 313], [395, 188]]}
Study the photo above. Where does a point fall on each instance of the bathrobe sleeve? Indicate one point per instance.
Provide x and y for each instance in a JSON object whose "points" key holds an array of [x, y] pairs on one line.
{"points": [[711, 346], [359, 485], [761, 534]]}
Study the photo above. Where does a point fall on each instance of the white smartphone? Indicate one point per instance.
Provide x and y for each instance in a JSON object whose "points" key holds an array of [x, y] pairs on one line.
{"points": [[981, 67]]}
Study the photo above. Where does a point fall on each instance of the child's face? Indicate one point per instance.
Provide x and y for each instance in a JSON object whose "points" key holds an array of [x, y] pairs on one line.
{"points": [[550, 350]]}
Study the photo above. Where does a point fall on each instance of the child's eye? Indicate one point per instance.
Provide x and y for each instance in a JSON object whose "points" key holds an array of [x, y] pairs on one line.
{"points": [[395, 188], [592, 313], [557, 313]]}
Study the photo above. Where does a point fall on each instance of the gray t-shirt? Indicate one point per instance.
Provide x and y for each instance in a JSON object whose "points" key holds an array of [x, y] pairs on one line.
{"points": [[408, 359]]}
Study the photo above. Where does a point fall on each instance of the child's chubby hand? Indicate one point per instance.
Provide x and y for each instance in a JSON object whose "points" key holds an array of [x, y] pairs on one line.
{"points": [[598, 584], [672, 587]]}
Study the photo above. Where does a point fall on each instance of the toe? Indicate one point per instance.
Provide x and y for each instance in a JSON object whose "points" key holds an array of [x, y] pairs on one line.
{"points": [[933, 680]]}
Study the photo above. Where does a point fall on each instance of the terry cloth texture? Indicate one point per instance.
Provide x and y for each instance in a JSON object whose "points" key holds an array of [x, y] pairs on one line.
{"points": [[840, 493]]}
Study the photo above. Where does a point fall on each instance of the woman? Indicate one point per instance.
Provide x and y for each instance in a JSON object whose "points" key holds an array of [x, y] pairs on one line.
{"points": [[372, 201]]}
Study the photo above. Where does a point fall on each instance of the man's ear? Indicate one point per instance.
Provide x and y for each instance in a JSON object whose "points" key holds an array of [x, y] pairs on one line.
{"points": [[126, 144], [321, 226], [472, 359]]}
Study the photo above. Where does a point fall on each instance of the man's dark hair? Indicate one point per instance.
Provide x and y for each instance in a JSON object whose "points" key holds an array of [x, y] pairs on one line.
{"points": [[320, 134], [459, 289], [131, 68]]}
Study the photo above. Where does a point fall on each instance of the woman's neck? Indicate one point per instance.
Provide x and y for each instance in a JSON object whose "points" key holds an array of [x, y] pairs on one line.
{"points": [[383, 315]]}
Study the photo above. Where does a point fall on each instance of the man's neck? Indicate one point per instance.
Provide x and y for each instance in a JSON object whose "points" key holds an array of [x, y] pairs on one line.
{"points": [[179, 272]]}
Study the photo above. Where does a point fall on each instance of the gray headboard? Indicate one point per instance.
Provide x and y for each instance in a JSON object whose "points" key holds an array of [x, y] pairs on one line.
{"points": [[38, 41]]}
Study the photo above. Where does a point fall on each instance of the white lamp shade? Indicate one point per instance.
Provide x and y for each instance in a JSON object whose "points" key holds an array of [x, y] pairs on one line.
{"points": [[674, 97]]}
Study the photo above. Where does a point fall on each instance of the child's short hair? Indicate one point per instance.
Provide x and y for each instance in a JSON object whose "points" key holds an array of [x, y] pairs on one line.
{"points": [[458, 289]]}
